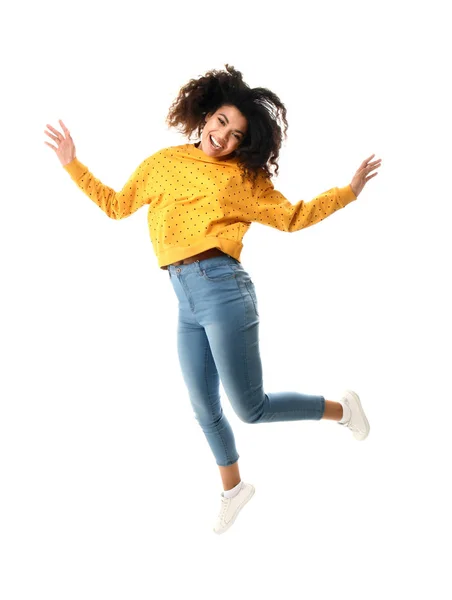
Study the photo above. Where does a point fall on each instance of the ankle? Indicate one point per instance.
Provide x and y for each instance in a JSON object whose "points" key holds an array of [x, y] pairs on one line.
{"points": [[333, 411], [233, 492]]}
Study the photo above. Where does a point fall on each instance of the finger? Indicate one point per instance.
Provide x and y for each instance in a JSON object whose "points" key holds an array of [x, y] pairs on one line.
{"points": [[370, 167], [370, 177], [54, 130], [364, 163], [50, 146], [65, 129], [51, 136]]}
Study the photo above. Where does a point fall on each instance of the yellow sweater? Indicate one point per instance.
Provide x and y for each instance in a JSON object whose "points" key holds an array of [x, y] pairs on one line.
{"points": [[197, 202]]}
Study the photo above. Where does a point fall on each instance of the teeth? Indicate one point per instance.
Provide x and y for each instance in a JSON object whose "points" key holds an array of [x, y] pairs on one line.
{"points": [[215, 143]]}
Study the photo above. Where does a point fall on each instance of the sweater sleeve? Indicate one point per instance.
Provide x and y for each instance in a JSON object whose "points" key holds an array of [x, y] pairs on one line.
{"points": [[116, 205], [272, 208]]}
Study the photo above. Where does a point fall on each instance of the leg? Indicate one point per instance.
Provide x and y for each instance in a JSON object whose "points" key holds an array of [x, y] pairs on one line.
{"points": [[230, 476], [333, 411], [202, 380], [230, 316]]}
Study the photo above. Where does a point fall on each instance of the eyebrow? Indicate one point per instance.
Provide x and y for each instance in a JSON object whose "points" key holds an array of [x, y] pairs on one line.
{"points": [[227, 121]]}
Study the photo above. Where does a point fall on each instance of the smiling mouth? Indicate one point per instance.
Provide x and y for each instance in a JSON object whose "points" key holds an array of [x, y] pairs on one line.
{"points": [[214, 144]]}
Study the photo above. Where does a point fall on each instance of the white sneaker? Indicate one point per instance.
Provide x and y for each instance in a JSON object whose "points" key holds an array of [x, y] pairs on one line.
{"points": [[230, 507], [357, 423]]}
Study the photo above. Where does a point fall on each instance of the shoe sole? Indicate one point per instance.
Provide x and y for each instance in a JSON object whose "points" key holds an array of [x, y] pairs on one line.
{"points": [[231, 522], [358, 402]]}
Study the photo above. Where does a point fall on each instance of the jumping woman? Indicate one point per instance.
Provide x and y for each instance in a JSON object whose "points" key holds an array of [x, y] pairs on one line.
{"points": [[202, 200]]}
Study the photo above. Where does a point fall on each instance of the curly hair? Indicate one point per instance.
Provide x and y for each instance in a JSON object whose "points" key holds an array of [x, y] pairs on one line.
{"points": [[264, 111]]}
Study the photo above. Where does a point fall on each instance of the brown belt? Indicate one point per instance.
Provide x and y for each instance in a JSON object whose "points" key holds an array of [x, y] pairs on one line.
{"points": [[202, 256]]}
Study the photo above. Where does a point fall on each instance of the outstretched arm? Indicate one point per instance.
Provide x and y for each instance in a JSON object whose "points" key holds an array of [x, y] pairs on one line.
{"points": [[271, 207], [116, 205]]}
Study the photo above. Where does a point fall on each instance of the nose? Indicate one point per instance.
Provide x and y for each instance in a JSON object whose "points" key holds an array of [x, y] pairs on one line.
{"points": [[222, 139]]}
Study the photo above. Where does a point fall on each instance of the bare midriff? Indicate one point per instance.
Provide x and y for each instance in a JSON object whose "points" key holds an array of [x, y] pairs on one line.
{"points": [[201, 256]]}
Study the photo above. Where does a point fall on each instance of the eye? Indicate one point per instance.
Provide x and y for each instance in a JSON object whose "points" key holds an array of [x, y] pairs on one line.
{"points": [[221, 121]]}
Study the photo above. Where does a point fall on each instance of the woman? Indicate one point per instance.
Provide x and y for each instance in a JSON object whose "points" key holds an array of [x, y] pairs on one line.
{"points": [[202, 199]]}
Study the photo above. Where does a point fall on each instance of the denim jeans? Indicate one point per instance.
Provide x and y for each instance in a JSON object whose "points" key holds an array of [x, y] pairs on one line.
{"points": [[218, 339]]}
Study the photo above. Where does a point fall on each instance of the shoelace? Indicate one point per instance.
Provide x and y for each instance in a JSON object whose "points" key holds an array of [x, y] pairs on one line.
{"points": [[224, 506]]}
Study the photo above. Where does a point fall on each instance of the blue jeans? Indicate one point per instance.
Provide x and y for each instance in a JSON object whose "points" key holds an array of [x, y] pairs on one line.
{"points": [[218, 338]]}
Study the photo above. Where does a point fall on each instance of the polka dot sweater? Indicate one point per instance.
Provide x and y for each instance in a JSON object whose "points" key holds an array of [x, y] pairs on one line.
{"points": [[197, 202]]}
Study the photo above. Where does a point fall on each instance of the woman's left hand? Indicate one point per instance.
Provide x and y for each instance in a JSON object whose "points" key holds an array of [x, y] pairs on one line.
{"points": [[360, 179]]}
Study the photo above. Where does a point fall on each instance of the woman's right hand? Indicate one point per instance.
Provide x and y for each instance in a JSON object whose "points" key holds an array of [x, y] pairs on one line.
{"points": [[65, 149]]}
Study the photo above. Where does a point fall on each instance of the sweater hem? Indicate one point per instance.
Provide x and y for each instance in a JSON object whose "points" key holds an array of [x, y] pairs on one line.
{"points": [[231, 247]]}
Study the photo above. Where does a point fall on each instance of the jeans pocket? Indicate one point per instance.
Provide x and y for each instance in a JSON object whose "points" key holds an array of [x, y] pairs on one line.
{"points": [[252, 292], [218, 272]]}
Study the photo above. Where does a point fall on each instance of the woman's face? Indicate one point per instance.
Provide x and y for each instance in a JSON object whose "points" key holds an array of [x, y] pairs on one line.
{"points": [[223, 132]]}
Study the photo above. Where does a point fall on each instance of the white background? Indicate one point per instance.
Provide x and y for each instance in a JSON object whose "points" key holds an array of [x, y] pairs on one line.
{"points": [[108, 487]]}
